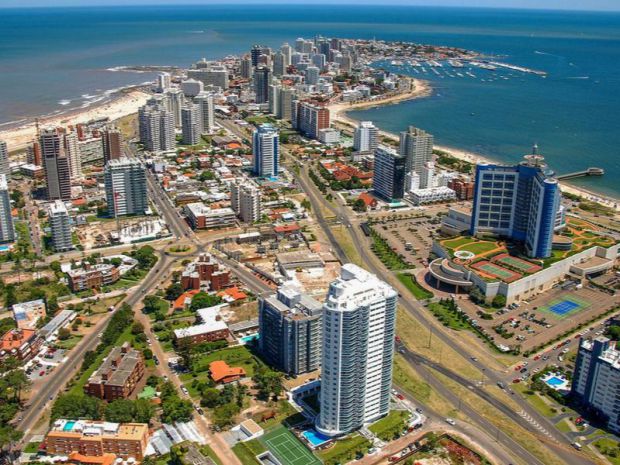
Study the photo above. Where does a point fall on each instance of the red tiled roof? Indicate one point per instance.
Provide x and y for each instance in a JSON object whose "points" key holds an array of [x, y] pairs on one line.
{"points": [[220, 370]]}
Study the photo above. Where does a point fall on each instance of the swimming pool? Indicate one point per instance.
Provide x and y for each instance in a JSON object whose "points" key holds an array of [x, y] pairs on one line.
{"points": [[250, 338], [68, 426], [4, 248], [554, 381], [314, 437]]}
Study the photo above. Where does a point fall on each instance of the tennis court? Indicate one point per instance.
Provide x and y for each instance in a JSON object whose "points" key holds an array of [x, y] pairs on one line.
{"points": [[496, 271], [564, 307], [287, 448], [521, 265]]}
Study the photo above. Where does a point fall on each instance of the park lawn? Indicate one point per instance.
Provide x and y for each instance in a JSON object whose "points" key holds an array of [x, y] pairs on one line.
{"points": [[70, 343], [344, 450], [609, 448], [446, 317], [479, 248], [394, 423], [102, 305], [457, 242], [234, 356], [284, 413], [248, 450], [345, 241], [32, 447], [412, 285], [537, 402], [563, 426]]}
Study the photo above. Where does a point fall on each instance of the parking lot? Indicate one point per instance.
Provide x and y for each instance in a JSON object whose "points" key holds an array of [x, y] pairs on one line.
{"points": [[411, 238], [44, 363], [543, 318]]}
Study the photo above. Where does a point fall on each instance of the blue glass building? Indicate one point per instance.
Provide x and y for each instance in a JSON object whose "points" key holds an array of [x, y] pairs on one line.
{"points": [[520, 202], [265, 150]]}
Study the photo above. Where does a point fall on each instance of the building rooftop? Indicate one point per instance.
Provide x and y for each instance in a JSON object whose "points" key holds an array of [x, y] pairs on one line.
{"points": [[356, 287], [117, 371], [92, 428], [220, 370], [14, 338], [211, 321]]}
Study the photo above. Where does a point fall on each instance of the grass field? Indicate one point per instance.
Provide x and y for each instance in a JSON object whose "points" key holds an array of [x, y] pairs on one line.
{"points": [[390, 425], [470, 244], [345, 450], [247, 451], [287, 448], [412, 285], [234, 356]]}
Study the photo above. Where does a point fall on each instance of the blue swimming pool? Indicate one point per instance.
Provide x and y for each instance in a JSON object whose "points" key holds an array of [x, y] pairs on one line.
{"points": [[314, 437], [250, 338], [554, 381], [68, 426], [4, 248]]}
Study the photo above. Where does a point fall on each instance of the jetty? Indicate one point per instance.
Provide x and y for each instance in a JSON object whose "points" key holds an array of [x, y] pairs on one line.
{"points": [[578, 174]]}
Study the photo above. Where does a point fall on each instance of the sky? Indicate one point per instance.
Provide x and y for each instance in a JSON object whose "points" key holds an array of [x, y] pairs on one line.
{"points": [[599, 5]]}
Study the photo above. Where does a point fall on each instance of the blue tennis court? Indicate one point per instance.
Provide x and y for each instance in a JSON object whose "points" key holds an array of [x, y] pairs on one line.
{"points": [[564, 307]]}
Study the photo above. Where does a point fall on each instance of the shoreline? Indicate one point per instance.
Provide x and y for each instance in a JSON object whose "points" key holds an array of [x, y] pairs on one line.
{"points": [[421, 89], [120, 104]]}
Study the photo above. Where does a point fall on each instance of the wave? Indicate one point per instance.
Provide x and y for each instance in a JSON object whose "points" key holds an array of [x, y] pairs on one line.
{"points": [[195, 32], [64, 102], [578, 77], [538, 52]]}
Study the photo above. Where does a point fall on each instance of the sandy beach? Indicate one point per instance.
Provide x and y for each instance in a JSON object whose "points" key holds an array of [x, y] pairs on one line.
{"points": [[421, 89], [123, 104]]}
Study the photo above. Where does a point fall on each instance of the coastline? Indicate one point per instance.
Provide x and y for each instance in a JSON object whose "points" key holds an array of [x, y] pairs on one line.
{"points": [[421, 89], [121, 104]]}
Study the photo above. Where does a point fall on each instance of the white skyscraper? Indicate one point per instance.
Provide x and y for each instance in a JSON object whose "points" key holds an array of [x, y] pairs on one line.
{"points": [[191, 123], [287, 51], [312, 75], [417, 146], [60, 224], [366, 137], [125, 187], [265, 149], [245, 201], [274, 96], [73, 154], [4, 159], [162, 84], [285, 103], [359, 317], [204, 100], [7, 231], [156, 123], [427, 178], [176, 101]]}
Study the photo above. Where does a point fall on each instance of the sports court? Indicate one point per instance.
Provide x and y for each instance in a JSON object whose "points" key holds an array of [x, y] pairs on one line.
{"points": [[287, 448], [513, 262], [496, 271], [564, 307]]}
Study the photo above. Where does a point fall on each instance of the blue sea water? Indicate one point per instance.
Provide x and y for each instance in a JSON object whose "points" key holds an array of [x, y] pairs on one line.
{"points": [[53, 55]]}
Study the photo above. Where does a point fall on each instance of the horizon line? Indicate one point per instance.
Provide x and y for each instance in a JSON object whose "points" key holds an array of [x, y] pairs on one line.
{"points": [[223, 3]]}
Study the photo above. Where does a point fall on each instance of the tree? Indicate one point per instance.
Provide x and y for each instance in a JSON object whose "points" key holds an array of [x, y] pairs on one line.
{"points": [[153, 304], [145, 256], [268, 383], [176, 409], [204, 300], [120, 411], [224, 415], [137, 328], [499, 301], [152, 381], [147, 353], [305, 203], [174, 291], [89, 358], [359, 205], [613, 332], [77, 406], [476, 295], [63, 334], [210, 398]]}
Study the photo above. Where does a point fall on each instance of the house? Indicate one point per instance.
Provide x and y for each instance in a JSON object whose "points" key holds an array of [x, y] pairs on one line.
{"points": [[220, 372], [20, 343], [368, 200]]}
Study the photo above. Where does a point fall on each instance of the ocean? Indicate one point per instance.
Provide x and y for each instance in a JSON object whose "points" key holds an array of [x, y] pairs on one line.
{"points": [[53, 59]]}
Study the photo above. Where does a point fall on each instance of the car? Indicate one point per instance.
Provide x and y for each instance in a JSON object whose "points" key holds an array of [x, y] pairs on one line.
{"points": [[516, 380], [450, 421], [184, 389], [501, 385], [419, 410], [402, 351], [474, 359], [155, 359], [523, 370], [42, 373], [199, 410], [400, 396], [537, 357]]}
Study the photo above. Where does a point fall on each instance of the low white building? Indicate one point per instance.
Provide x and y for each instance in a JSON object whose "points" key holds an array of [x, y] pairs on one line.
{"points": [[201, 216], [431, 195], [329, 136]]}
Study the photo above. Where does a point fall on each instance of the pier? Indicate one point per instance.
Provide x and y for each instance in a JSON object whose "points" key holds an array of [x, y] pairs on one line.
{"points": [[578, 174]]}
